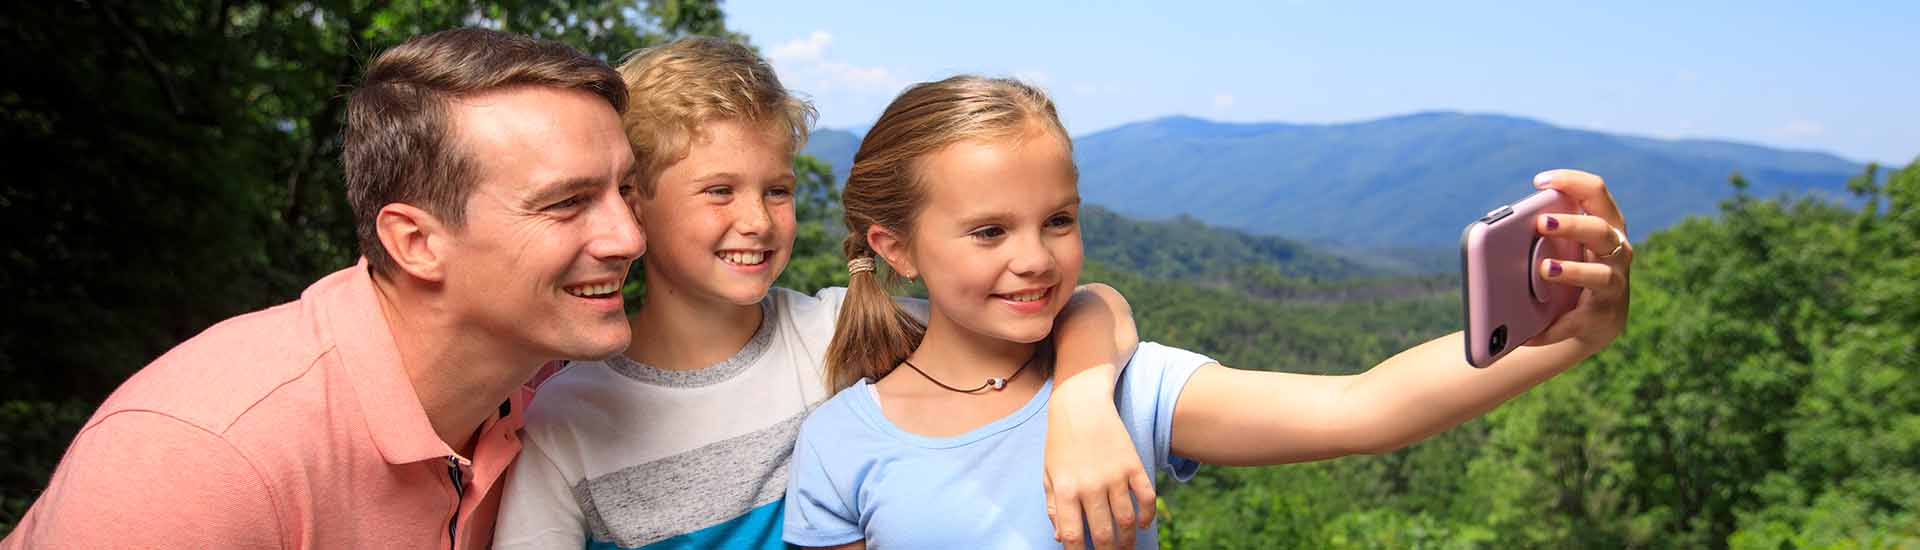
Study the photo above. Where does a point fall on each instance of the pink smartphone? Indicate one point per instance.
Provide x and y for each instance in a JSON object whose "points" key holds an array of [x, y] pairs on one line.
{"points": [[1505, 301]]}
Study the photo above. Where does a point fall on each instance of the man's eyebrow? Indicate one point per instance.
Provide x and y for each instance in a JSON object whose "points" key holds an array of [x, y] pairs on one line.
{"points": [[554, 192]]}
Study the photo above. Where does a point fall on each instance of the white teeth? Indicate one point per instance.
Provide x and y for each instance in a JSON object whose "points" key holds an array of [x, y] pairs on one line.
{"points": [[743, 258], [594, 291], [1026, 296]]}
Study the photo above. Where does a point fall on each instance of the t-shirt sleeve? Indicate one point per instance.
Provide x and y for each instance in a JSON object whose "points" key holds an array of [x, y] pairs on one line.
{"points": [[1154, 380], [818, 511], [537, 508], [134, 479]]}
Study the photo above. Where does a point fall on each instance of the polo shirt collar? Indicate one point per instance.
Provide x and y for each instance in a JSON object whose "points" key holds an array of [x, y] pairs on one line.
{"points": [[350, 313]]}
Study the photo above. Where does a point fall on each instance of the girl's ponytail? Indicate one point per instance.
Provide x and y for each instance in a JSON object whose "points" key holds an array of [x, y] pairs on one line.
{"points": [[873, 333]]}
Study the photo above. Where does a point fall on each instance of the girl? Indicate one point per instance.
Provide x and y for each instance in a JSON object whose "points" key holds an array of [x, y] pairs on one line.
{"points": [[969, 184]]}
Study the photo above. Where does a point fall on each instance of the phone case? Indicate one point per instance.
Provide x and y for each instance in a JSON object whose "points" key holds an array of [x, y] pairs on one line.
{"points": [[1504, 300]]}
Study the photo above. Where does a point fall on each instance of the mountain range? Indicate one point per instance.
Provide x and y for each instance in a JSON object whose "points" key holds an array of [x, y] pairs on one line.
{"points": [[1407, 182]]}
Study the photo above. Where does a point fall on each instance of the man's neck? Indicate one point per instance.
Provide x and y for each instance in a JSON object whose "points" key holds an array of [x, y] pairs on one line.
{"points": [[459, 374], [676, 330]]}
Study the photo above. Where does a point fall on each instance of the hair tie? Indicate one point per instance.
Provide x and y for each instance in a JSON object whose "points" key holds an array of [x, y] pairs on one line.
{"points": [[860, 265]]}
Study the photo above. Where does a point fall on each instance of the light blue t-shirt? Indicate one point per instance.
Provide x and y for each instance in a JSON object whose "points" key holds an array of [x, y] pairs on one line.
{"points": [[855, 475]]}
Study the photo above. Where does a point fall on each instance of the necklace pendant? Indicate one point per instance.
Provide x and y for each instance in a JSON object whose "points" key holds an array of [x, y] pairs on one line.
{"points": [[997, 383]]}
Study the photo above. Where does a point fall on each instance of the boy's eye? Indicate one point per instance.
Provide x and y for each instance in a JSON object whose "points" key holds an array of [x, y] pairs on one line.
{"points": [[720, 190], [780, 192], [988, 233], [1062, 220]]}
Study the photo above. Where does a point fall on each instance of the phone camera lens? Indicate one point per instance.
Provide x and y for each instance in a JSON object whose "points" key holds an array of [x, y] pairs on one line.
{"points": [[1498, 341]]}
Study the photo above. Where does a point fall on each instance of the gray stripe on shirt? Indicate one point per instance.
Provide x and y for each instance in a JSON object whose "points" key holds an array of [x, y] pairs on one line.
{"points": [[646, 503]]}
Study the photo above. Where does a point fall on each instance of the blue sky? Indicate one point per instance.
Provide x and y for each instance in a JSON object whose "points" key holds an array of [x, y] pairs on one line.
{"points": [[1837, 77]]}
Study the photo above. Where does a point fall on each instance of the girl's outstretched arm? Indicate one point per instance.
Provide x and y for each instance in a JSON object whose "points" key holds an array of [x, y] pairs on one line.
{"points": [[1233, 417]]}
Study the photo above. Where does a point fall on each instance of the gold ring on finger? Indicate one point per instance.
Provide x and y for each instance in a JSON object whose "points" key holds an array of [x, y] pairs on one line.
{"points": [[1619, 243]]}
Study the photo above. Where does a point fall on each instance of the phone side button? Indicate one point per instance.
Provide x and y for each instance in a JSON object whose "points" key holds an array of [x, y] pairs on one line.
{"points": [[1497, 214]]}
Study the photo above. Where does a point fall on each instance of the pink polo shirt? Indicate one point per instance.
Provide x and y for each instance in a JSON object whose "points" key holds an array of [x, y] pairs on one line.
{"points": [[292, 427]]}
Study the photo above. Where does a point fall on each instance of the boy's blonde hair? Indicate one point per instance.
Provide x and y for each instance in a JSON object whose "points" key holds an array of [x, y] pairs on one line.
{"points": [[675, 88]]}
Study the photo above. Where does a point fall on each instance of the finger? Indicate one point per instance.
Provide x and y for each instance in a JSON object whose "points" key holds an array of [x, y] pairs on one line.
{"points": [[1599, 277], [1146, 496], [1123, 516], [1067, 522], [1099, 520], [1587, 189], [1052, 516], [1590, 231]]}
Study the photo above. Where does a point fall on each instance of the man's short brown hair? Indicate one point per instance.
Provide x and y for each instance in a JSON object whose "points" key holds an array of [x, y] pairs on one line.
{"points": [[399, 144], [677, 87]]}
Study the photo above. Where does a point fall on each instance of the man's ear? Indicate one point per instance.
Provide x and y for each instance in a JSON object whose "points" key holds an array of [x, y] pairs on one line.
{"points": [[415, 239], [893, 249]]}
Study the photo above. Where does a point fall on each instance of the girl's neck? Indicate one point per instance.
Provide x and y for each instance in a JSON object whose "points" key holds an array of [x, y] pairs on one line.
{"points": [[676, 330], [951, 352]]}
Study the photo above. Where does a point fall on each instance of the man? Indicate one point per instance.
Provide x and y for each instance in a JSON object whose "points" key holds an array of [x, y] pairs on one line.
{"points": [[487, 174]]}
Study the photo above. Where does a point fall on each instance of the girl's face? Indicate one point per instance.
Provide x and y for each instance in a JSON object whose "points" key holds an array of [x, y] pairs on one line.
{"points": [[997, 238]]}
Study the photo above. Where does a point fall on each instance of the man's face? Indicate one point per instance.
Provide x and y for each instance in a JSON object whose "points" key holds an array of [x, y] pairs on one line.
{"points": [[549, 232], [721, 220]]}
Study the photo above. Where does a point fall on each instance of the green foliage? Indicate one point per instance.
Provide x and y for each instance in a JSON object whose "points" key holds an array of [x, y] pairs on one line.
{"points": [[1766, 394]]}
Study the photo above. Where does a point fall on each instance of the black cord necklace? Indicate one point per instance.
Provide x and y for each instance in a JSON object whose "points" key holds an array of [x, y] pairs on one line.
{"points": [[995, 383]]}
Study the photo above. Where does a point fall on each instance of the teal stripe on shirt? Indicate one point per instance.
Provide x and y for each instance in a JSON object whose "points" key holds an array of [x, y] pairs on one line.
{"points": [[758, 529]]}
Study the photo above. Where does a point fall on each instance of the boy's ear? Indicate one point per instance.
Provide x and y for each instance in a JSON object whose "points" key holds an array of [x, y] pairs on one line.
{"points": [[415, 239], [893, 249]]}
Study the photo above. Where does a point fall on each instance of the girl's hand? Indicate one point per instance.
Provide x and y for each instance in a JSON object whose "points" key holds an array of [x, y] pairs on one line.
{"points": [[1092, 470], [1601, 313]]}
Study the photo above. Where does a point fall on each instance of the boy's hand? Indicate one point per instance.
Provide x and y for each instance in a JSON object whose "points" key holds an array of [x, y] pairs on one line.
{"points": [[1092, 472]]}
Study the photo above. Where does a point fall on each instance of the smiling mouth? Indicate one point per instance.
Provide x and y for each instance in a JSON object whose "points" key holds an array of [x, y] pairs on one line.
{"points": [[1027, 296], [746, 258], [594, 290]]}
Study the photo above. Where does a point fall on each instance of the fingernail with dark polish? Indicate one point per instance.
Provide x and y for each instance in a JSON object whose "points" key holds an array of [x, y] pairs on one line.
{"points": [[1553, 268], [1552, 223]]}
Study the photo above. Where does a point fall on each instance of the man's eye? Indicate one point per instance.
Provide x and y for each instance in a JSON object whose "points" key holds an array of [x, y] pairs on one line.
{"points": [[569, 203]]}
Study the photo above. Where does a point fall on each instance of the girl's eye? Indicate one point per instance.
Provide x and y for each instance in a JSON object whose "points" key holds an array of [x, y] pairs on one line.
{"points": [[988, 233], [1060, 221]]}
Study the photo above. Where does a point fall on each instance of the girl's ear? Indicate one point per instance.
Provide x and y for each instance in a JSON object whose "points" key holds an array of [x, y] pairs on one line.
{"points": [[893, 249]]}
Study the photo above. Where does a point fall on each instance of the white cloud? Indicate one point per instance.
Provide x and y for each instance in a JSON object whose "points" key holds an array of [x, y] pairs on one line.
{"points": [[805, 62], [806, 49], [1222, 101]]}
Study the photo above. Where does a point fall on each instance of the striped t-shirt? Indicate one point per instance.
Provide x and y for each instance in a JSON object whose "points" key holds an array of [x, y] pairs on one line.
{"points": [[620, 454]]}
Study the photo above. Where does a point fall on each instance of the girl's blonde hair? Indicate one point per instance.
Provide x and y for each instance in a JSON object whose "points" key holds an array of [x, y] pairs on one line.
{"points": [[885, 188], [675, 88]]}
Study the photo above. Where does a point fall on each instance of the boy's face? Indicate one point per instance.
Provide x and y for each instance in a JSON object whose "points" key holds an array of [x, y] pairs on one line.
{"points": [[720, 223]]}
